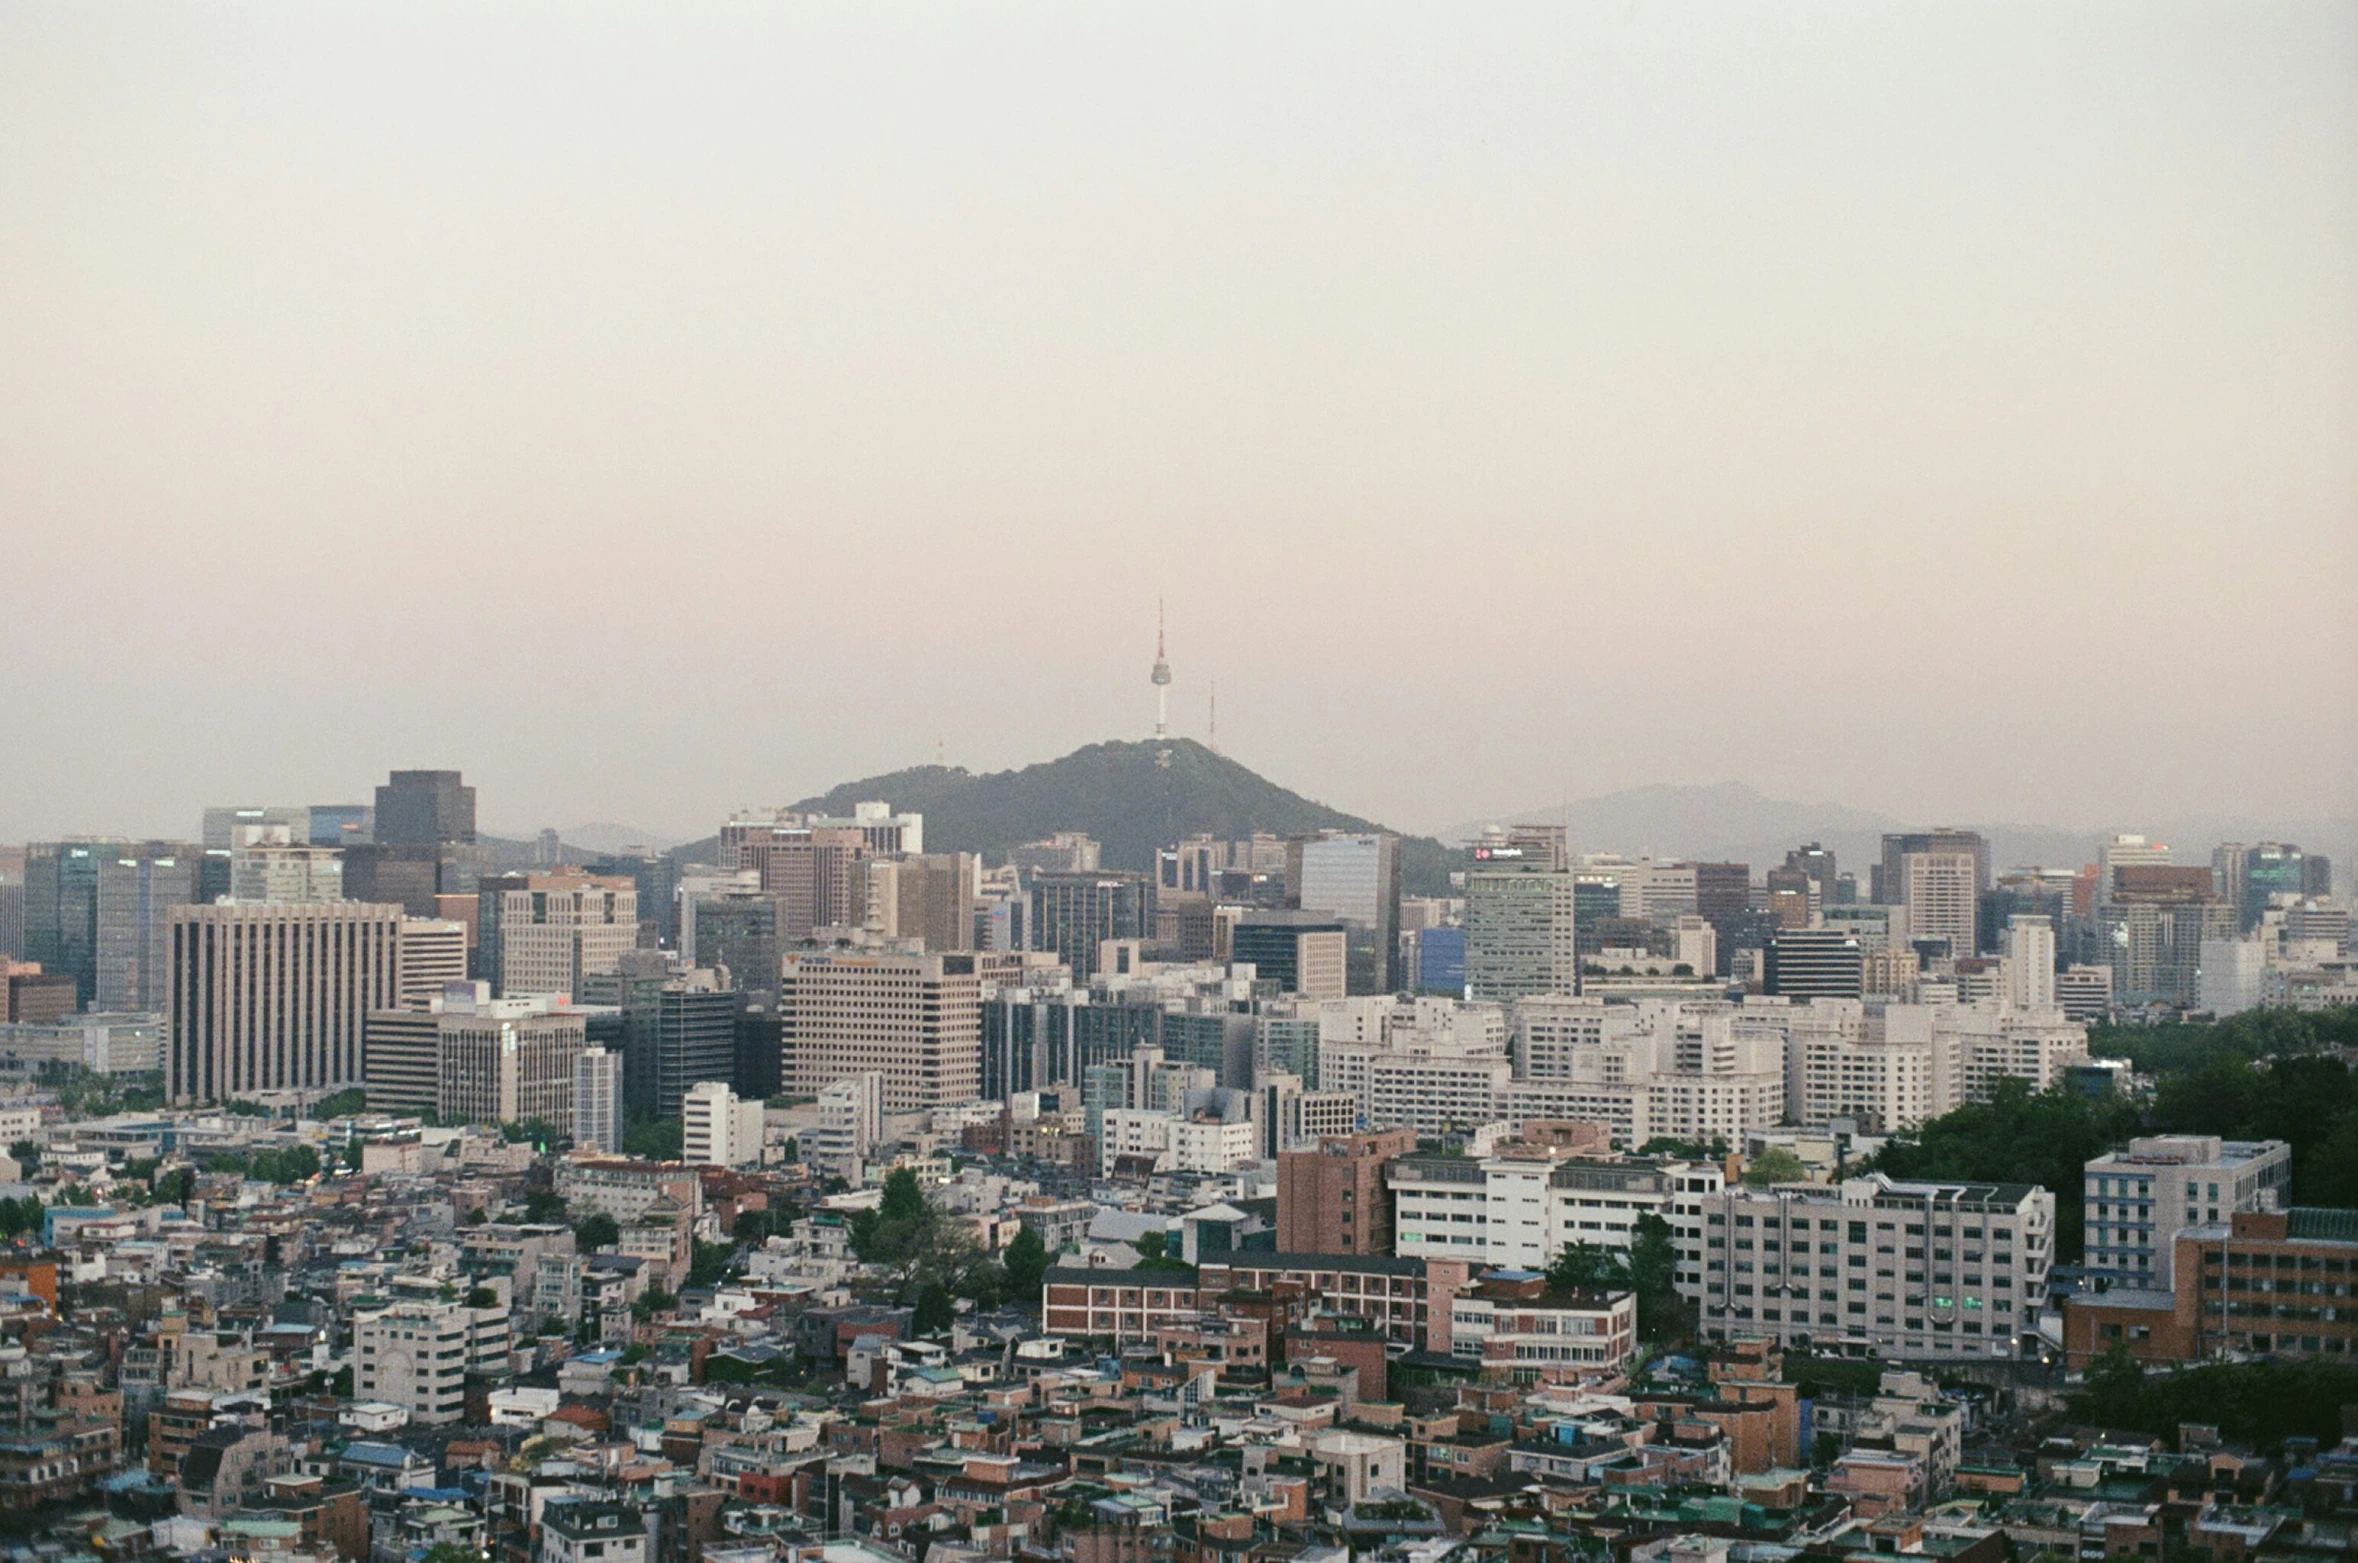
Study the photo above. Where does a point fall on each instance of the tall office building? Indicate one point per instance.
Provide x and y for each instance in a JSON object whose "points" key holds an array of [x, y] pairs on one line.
{"points": [[1072, 914], [284, 872], [425, 809], [2030, 962], [1522, 924], [2125, 851], [1355, 878], [2153, 927], [472, 1058], [678, 1030], [1889, 879], [717, 1129], [597, 1101], [1943, 898], [2273, 868], [340, 824], [406, 876], [61, 909], [274, 997], [1723, 898], [1304, 953], [851, 1124], [557, 928], [132, 952], [930, 897], [1814, 963], [735, 928], [915, 1019], [433, 956], [233, 825]]}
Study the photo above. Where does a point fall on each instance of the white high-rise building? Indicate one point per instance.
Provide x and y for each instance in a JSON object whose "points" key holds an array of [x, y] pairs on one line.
{"points": [[597, 1101], [433, 956], [717, 1129], [851, 1122], [561, 928], [275, 997], [1942, 892], [2030, 962]]}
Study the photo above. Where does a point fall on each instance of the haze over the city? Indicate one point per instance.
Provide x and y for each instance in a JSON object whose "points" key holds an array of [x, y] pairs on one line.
{"points": [[1950, 413]]}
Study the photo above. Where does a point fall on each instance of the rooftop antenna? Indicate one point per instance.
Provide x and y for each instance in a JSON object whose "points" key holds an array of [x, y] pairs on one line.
{"points": [[1161, 677]]}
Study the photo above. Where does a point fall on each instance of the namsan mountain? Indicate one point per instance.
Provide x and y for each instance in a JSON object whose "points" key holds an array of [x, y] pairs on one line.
{"points": [[1133, 797]]}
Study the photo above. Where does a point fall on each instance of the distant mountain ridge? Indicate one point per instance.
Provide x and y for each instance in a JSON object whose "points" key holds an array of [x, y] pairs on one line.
{"points": [[1124, 794], [1732, 822]]}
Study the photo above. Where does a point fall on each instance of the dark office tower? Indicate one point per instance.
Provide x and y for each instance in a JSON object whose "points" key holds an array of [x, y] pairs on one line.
{"points": [[491, 899], [426, 809], [1074, 913], [61, 910], [657, 878], [2272, 868], [2316, 874], [738, 930], [757, 1054], [1818, 863], [1723, 894], [137, 890], [1306, 953], [1890, 885], [1815, 963], [339, 824], [682, 1032], [1027, 1040], [403, 876]]}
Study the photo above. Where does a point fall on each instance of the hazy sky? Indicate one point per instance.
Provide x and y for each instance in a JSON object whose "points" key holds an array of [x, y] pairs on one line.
{"points": [[1948, 409]]}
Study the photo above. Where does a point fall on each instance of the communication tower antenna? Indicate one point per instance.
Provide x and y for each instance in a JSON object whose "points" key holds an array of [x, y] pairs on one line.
{"points": [[1161, 677]]}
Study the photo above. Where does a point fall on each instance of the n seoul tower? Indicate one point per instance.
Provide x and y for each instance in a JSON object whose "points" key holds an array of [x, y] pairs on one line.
{"points": [[1162, 678]]}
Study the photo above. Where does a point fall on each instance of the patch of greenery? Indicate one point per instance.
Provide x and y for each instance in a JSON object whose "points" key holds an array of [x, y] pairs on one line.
{"points": [[344, 1104], [2262, 1403]]}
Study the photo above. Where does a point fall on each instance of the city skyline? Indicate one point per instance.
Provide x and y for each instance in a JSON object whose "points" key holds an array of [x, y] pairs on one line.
{"points": [[1939, 413]]}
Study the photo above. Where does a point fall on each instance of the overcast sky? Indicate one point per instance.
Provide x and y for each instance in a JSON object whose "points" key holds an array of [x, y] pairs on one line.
{"points": [[1947, 409]]}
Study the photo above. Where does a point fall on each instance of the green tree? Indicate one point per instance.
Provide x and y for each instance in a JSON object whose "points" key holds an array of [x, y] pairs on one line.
{"points": [[2018, 1136], [545, 1206], [344, 1104], [652, 1301], [904, 1196], [597, 1230], [452, 1552], [651, 1139], [1027, 1263], [26, 1155], [1775, 1165], [710, 1263], [934, 1311], [1663, 1315], [1582, 1267]]}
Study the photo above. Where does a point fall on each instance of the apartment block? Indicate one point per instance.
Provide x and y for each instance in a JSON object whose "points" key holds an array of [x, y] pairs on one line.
{"points": [[2138, 1200], [1914, 1269]]}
